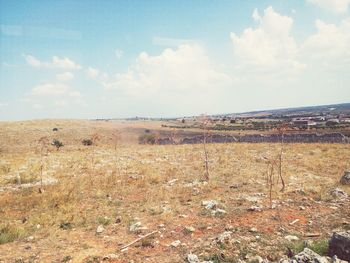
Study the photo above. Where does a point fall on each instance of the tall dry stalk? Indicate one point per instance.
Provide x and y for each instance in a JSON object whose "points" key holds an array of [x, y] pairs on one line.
{"points": [[43, 146], [281, 130], [205, 126], [116, 138]]}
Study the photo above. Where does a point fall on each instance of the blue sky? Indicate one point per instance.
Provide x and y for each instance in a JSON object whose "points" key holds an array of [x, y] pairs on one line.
{"points": [[105, 59]]}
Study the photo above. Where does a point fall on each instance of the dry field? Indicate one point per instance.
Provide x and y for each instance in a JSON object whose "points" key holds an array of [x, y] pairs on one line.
{"points": [[92, 196]]}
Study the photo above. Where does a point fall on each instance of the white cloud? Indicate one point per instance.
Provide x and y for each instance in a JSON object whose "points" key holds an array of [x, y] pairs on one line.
{"points": [[64, 63], [66, 76], [49, 89], [269, 46], [56, 62], [92, 72], [33, 61], [185, 69], [334, 6], [330, 43], [53, 96], [119, 53]]}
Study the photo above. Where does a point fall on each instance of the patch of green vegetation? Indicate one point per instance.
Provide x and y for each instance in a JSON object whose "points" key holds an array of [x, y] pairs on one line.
{"points": [[320, 246], [9, 233], [219, 258], [104, 220]]}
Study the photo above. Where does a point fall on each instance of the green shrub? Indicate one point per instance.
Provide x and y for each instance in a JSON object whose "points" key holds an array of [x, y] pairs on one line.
{"points": [[9, 233]]}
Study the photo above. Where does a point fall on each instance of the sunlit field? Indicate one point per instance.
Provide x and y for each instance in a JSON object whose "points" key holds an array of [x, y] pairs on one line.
{"points": [[89, 203]]}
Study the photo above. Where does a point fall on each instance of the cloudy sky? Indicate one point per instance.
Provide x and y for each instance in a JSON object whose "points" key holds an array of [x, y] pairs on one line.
{"points": [[105, 59]]}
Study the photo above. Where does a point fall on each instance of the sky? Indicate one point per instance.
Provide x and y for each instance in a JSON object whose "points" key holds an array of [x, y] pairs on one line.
{"points": [[115, 59]]}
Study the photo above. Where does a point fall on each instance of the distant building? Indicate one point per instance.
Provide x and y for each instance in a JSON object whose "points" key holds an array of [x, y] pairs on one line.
{"points": [[304, 123]]}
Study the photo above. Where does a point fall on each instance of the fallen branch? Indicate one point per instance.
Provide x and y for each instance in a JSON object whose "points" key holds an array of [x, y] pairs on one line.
{"points": [[137, 240], [312, 234]]}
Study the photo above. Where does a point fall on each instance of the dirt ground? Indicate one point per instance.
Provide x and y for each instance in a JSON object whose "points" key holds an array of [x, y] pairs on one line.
{"points": [[92, 196]]}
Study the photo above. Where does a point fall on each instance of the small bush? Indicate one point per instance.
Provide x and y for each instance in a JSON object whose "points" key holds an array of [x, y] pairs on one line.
{"points": [[66, 225], [104, 220], [57, 144], [55, 129], [87, 142]]}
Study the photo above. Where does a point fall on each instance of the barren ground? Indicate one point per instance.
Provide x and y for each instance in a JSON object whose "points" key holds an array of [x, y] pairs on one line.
{"points": [[117, 184]]}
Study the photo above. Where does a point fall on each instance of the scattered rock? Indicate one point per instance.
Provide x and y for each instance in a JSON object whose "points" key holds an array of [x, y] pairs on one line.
{"points": [[308, 256], [339, 245], [255, 208], [192, 258], [225, 237], [30, 239], [189, 229], [339, 194], [218, 212], [291, 238], [345, 179], [135, 227], [175, 243], [210, 204], [253, 230], [100, 229]]}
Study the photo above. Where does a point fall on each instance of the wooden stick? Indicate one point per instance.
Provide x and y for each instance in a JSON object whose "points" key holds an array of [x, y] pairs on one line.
{"points": [[312, 234], [138, 239]]}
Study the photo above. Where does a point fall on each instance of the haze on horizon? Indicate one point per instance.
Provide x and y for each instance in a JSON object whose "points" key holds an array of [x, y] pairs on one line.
{"points": [[113, 59]]}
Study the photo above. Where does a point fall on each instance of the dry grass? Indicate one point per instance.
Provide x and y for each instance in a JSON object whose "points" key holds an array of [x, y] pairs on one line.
{"points": [[121, 186]]}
